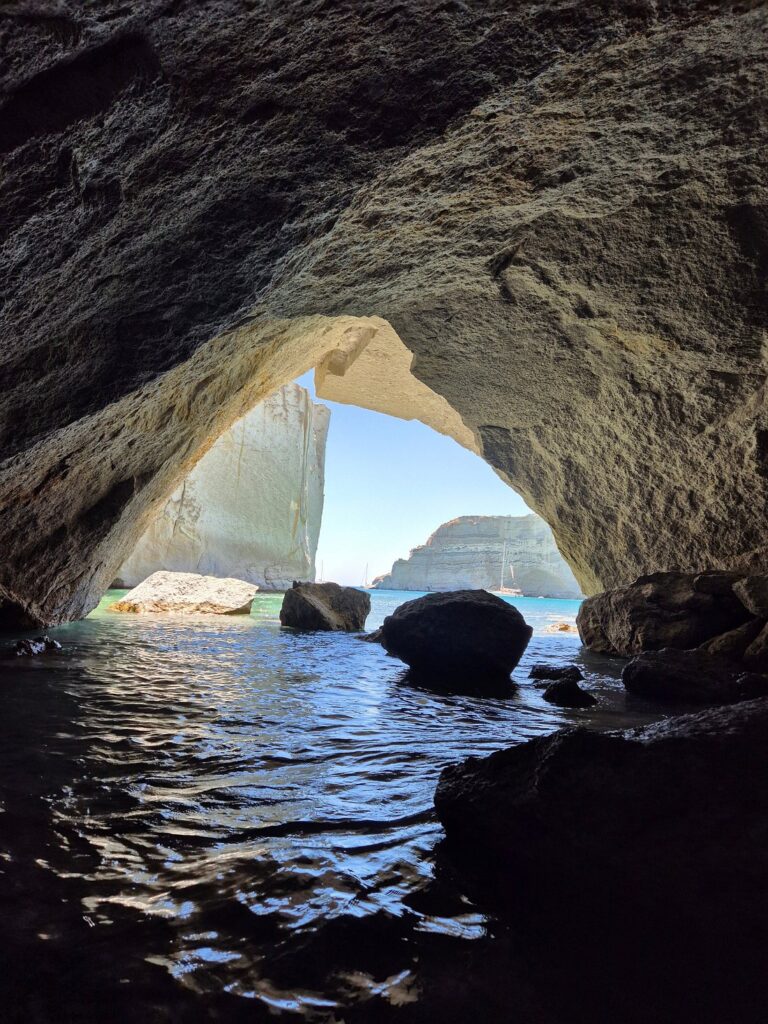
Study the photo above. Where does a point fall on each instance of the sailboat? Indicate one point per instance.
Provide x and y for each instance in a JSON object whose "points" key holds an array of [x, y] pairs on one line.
{"points": [[514, 591]]}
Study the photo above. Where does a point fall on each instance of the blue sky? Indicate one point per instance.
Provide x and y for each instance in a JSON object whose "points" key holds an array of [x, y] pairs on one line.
{"points": [[389, 483]]}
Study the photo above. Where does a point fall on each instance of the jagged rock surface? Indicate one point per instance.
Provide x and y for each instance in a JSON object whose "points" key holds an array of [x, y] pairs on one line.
{"points": [[252, 507], [486, 552], [691, 677], [664, 609], [187, 593], [560, 209]]}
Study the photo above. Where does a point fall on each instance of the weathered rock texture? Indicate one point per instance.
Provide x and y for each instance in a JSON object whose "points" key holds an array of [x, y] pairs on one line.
{"points": [[665, 609], [486, 552], [252, 507], [644, 853], [188, 593], [558, 208], [325, 606]]}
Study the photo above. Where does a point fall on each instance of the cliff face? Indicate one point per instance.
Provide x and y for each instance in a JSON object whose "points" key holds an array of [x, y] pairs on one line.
{"points": [[486, 552], [251, 508], [561, 210]]}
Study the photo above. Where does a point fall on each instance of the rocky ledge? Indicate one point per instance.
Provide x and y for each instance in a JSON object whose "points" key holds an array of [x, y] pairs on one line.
{"points": [[652, 843]]}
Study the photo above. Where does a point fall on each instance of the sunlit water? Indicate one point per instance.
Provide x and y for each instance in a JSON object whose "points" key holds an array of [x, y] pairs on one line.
{"points": [[222, 817]]}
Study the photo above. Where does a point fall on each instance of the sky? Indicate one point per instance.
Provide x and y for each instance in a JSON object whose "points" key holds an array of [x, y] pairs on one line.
{"points": [[389, 484]]}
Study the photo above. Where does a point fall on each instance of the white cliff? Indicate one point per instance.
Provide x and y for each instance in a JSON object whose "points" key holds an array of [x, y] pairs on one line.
{"points": [[251, 508], [487, 552]]}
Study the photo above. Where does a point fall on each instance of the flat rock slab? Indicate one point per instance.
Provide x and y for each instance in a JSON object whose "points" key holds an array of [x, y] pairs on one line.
{"points": [[468, 638], [188, 593], [325, 606]]}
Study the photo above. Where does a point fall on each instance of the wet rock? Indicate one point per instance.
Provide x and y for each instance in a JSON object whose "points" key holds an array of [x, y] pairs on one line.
{"points": [[566, 693], [691, 677], [188, 593], [733, 644], [325, 606], [542, 671], [468, 638], [752, 591], [655, 835], [372, 638], [661, 610], [40, 645]]}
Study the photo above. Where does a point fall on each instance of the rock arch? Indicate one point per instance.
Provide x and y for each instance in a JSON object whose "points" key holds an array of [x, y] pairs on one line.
{"points": [[560, 211]]}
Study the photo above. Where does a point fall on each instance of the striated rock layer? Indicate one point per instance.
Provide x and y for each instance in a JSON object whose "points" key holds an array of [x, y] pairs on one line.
{"points": [[559, 209], [486, 552], [252, 507]]}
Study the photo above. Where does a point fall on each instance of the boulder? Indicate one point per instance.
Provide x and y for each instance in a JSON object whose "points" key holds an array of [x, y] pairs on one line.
{"points": [[644, 852], [40, 645], [465, 637], [188, 593], [325, 606], [691, 677], [752, 591], [755, 656], [566, 693], [542, 671], [662, 610], [733, 644]]}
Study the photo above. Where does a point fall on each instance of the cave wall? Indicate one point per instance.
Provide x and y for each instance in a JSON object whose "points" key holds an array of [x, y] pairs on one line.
{"points": [[560, 209]]}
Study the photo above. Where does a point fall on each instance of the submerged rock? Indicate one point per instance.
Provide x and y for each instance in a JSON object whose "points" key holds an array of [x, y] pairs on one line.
{"points": [[693, 677], [566, 693], [466, 637], [188, 593], [40, 645], [625, 839], [662, 610], [325, 606], [542, 671]]}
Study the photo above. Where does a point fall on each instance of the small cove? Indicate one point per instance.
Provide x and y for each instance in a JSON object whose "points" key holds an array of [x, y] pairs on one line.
{"points": [[223, 816]]}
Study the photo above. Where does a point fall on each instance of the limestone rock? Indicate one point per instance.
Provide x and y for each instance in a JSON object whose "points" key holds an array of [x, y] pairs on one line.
{"points": [[543, 671], [646, 848], [252, 507], [733, 644], [188, 593], [558, 209], [325, 606], [691, 677], [486, 552], [466, 638], [664, 609]]}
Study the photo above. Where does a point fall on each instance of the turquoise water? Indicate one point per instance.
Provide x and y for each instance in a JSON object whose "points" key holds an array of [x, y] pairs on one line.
{"points": [[213, 818]]}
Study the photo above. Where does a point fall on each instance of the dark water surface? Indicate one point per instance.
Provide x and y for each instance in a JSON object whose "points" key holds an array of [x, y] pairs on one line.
{"points": [[213, 818]]}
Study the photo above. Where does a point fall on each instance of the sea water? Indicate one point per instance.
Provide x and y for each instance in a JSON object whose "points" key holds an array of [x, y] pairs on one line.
{"points": [[215, 818]]}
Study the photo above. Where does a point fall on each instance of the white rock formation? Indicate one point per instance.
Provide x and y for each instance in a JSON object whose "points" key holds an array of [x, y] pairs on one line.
{"points": [[487, 552], [252, 506], [188, 593]]}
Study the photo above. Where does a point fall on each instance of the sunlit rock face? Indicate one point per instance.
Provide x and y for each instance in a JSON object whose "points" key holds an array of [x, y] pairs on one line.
{"points": [[252, 507], [486, 552], [560, 209]]}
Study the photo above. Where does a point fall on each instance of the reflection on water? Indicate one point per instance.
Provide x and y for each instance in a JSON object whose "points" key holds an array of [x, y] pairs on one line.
{"points": [[219, 816]]}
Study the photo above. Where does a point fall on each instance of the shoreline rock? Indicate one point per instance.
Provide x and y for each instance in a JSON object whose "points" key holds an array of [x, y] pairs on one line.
{"points": [[691, 677]]}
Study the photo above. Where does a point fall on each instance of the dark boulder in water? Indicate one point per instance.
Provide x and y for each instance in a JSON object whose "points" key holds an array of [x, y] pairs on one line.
{"points": [[693, 677], [40, 645], [325, 606], [566, 693], [648, 848], [542, 671], [465, 638], [664, 609]]}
